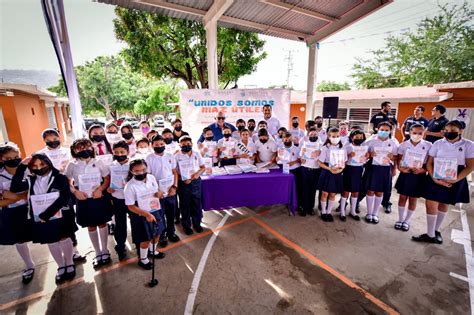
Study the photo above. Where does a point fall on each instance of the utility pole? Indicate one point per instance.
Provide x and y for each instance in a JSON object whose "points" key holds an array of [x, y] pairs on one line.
{"points": [[289, 68]]}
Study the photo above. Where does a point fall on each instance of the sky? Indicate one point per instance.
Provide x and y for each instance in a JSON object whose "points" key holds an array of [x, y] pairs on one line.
{"points": [[25, 43]]}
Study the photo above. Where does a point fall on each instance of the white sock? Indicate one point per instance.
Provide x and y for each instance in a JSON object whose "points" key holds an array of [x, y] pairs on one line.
{"points": [[144, 255], [377, 203], [431, 222], [370, 204], [408, 216], [112, 220], [343, 206], [439, 219], [401, 213], [323, 207], [353, 205], [94, 236], [57, 254], [25, 254], [330, 206], [104, 237], [150, 248], [66, 247]]}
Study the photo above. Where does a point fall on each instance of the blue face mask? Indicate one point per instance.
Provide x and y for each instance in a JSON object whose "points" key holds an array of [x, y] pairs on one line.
{"points": [[383, 134]]}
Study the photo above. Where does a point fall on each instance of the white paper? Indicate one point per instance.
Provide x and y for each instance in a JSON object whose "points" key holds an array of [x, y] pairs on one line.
{"points": [[89, 182], [106, 159], [445, 168], [211, 149], [286, 168], [118, 176], [165, 184], [186, 169], [59, 158], [284, 156], [218, 171], [39, 203], [148, 202], [413, 159], [359, 158], [337, 158], [228, 149], [381, 156]]}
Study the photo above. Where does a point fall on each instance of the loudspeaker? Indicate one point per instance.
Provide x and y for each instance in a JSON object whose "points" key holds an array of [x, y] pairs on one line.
{"points": [[330, 105]]}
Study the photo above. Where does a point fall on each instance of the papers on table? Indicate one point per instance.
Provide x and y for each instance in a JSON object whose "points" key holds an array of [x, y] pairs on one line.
{"points": [[286, 168], [218, 171], [186, 169], [39, 203], [107, 159], [359, 158], [118, 176], [263, 164], [165, 184], [413, 159], [337, 158], [247, 168], [147, 201], [262, 170], [445, 168], [381, 156], [59, 158], [89, 182], [233, 169]]}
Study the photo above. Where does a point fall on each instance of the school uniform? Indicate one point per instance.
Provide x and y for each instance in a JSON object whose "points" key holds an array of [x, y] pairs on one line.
{"points": [[329, 182], [59, 157], [53, 229], [172, 148], [411, 184], [412, 120], [255, 137], [295, 169], [458, 192], [310, 172], [248, 148], [297, 135], [90, 212], [353, 172], [119, 210], [132, 147], [161, 167], [101, 148], [273, 125], [15, 227], [211, 151], [142, 230], [236, 135], [266, 150], [228, 149], [141, 154], [379, 178], [190, 194]]}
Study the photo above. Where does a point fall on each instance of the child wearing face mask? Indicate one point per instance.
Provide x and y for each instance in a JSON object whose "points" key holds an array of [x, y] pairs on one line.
{"points": [[49, 226], [227, 148], [266, 148], [383, 150], [412, 156], [143, 148], [144, 128], [240, 124], [292, 158], [141, 198], [332, 162], [127, 134], [295, 131], [245, 148], [310, 170], [251, 126], [208, 148], [344, 129], [89, 179], [112, 133], [99, 140], [171, 145]]}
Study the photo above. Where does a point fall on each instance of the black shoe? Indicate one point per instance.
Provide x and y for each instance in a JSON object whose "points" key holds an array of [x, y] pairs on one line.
{"points": [[424, 238], [60, 277], [177, 221], [438, 237], [343, 218], [122, 254], [26, 278], [78, 258], [111, 228], [329, 217], [105, 259], [357, 208], [173, 238], [71, 274], [324, 217], [97, 261], [188, 231], [163, 241], [198, 229], [312, 213], [355, 217], [146, 266], [388, 209], [158, 255], [302, 213]]}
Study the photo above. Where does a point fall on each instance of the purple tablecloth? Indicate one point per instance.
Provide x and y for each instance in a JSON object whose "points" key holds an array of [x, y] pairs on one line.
{"points": [[249, 190]]}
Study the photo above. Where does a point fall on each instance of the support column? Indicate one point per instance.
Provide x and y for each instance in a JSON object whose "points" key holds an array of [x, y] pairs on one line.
{"points": [[211, 43], [310, 88]]}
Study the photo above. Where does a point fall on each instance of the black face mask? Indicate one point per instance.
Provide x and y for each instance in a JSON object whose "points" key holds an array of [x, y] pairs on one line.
{"points": [[85, 154], [451, 135], [98, 138], [159, 150], [295, 125], [53, 144], [120, 158], [357, 141], [41, 171], [251, 128], [178, 128], [127, 136], [241, 128], [209, 138], [227, 135], [12, 163], [313, 139], [168, 140], [140, 177], [186, 148], [319, 125], [263, 141], [2, 164], [287, 143]]}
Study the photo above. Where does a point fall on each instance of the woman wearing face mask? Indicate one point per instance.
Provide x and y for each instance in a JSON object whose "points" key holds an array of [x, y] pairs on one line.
{"points": [[310, 170], [440, 193], [99, 140], [127, 134], [88, 179], [141, 198], [383, 150], [49, 226], [412, 156], [15, 226]]}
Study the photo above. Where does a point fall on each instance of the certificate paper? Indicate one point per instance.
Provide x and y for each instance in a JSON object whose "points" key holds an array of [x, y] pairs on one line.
{"points": [[413, 159], [148, 202], [40, 203], [89, 182], [107, 159], [59, 158], [211, 149], [445, 168], [186, 169], [228, 149], [283, 156], [359, 158], [118, 176], [165, 184], [208, 165], [381, 156], [337, 158]]}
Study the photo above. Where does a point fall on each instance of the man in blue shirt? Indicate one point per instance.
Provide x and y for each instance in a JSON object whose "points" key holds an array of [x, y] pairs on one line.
{"points": [[218, 127], [417, 118]]}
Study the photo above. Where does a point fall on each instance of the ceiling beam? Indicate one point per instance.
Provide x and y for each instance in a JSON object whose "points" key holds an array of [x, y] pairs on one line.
{"points": [[296, 9], [217, 9]]}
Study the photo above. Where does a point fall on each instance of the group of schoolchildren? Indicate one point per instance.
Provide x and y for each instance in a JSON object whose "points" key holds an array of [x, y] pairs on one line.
{"points": [[155, 182]]}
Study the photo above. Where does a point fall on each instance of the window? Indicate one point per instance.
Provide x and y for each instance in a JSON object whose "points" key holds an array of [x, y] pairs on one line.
{"points": [[51, 117]]}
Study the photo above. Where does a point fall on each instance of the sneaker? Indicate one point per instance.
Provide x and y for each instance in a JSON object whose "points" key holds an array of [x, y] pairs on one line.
{"points": [[438, 237], [424, 238], [173, 238]]}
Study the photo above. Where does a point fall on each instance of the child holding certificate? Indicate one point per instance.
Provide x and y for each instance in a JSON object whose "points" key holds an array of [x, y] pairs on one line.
{"points": [[411, 182], [118, 175], [441, 188], [171, 145], [245, 148], [357, 156], [265, 147], [127, 134], [294, 165], [190, 168], [162, 165], [141, 197], [227, 147], [383, 150], [332, 161], [15, 226], [208, 148], [88, 179], [49, 197], [310, 170]]}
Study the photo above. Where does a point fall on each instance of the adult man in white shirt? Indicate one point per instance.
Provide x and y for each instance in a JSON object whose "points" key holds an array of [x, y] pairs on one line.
{"points": [[272, 122]]}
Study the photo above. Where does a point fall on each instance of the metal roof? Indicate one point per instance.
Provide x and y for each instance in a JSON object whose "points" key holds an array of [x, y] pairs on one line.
{"points": [[301, 20]]}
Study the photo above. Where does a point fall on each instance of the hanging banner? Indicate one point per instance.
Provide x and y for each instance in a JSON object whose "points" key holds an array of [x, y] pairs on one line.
{"points": [[199, 107]]}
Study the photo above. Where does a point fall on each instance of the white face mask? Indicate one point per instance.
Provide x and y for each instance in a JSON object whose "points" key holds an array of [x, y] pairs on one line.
{"points": [[142, 150], [416, 138], [335, 140]]}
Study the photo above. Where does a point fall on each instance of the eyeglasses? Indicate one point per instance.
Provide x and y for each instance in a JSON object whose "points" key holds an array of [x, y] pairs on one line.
{"points": [[221, 118]]}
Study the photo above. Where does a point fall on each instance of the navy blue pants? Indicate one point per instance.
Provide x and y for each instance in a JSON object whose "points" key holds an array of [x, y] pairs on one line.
{"points": [[169, 205], [120, 211], [190, 203], [309, 180], [299, 193]]}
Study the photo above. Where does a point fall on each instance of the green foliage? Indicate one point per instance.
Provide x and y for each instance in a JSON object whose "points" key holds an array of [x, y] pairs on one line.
{"points": [[327, 86], [158, 100], [439, 51], [163, 47]]}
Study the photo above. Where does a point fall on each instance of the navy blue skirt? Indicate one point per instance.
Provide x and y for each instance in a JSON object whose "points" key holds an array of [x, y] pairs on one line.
{"points": [[352, 178], [329, 182], [457, 193], [93, 212], [14, 225], [378, 178], [411, 185], [144, 231], [53, 231]]}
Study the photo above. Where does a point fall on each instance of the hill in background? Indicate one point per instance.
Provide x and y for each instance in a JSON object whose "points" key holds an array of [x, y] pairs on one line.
{"points": [[42, 78]]}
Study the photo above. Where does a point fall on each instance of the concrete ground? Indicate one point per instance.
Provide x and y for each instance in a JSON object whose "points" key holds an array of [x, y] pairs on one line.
{"points": [[263, 261]]}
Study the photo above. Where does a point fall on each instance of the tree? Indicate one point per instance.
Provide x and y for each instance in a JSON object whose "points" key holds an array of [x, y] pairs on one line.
{"points": [[327, 86], [158, 100], [163, 47], [439, 51]]}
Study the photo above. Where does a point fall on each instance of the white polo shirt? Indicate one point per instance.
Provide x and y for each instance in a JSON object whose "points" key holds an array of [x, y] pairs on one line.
{"points": [[273, 124], [421, 147], [195, 157], [297, 134], [266, 150], [135, 187], [226, 146], [172, 148], [248, 148], [161, 166], [325, 154], [460, 150], [60, 157], [78, 167]]}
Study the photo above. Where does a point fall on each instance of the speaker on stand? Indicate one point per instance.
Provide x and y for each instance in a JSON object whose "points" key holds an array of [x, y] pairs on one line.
{"points": [[330, 106]]}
